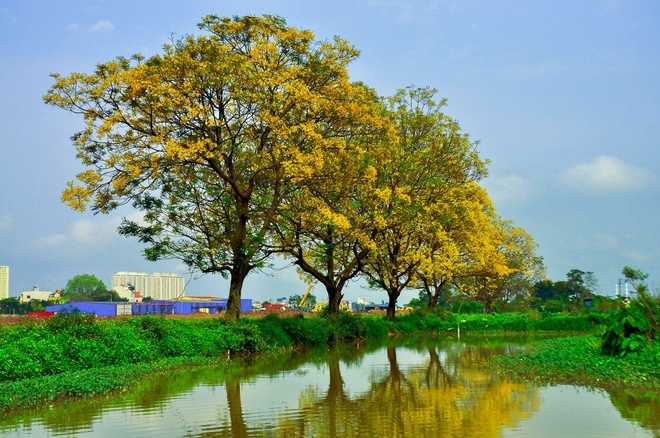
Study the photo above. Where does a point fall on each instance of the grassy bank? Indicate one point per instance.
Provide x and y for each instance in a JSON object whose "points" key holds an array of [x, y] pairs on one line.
{"points": [[578, 360], [80, 355]]}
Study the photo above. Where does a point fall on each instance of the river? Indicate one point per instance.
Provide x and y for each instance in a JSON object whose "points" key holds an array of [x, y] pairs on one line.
{"points": [[408, 387]]}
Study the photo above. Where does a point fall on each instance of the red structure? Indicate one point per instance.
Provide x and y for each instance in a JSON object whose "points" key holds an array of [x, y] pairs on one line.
{"points": [[275, 307]]}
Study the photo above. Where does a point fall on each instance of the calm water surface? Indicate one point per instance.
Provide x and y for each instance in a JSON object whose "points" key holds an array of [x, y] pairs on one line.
{"points": [[414, 387]]}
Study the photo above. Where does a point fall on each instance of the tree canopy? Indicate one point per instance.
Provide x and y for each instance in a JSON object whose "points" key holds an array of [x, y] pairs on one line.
{"points": [[250, 140], [87, 287], [207, 138]]}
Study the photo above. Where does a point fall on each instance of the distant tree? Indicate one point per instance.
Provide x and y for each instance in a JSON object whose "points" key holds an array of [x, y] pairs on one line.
{"points": [[545, 290], [10, 306], [581, 285], [419, 302], [87, 287], [310, 301], [636, 278], [294, 300]]}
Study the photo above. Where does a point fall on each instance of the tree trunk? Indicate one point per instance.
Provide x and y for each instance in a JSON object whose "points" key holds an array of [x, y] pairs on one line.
{"points": [[433, 300], [238, 273], [391, 306], [238, 426], [334, 300]]}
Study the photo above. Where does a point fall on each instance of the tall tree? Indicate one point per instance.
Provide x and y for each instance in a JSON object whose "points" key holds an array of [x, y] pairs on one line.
{"points": [[458, 236], [207, 138], [326, 225], [419, 176]]}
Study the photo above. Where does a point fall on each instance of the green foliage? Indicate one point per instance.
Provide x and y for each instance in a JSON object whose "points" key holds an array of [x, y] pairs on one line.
{"points": [[86, 287], [566, 322], [635, 325], [565, 295], [270, 328], [459, 306], [12, 306], [630, 329], [578, 360], [348, 326], [76, 341], [75, 324], [375, 326], [39, 390]]}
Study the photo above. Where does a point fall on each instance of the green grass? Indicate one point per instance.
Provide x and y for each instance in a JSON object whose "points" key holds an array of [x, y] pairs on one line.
{"points": [[578, 360]]}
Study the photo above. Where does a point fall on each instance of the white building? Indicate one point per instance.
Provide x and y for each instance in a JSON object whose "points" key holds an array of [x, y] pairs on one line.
{"points": [[157, 286], [36, 294], [4, 282]]}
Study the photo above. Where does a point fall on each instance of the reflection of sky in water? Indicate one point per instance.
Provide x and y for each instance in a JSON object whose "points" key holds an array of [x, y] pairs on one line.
{"points": [[567, 411]]}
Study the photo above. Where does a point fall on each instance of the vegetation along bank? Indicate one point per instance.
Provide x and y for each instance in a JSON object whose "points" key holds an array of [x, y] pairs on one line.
{"points": [[70, 355]]}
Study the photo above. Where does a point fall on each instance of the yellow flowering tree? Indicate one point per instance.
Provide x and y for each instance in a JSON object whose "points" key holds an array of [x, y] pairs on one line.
{"points": [[210, 136], [506, 265], [326, 225], [460, 233], [418, 178]]}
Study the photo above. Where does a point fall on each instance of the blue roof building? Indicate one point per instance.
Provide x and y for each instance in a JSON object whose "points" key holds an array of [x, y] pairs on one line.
{"points": [[156, 307]]}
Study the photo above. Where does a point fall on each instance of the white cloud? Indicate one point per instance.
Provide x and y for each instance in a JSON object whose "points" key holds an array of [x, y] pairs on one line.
{"points": [[93, 231], [103, 26], [509, 189], [85, 233], [53, 240], [607, 242], [606, 175], [99, 26], [6, 13]]}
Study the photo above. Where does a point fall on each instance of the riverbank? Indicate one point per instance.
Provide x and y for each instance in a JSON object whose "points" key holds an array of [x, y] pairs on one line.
{"points": [[80, 355], [577, 360]]}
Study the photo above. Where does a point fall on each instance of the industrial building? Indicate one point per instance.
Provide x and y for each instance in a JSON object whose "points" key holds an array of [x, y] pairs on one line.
{"points": [[155, 307]]}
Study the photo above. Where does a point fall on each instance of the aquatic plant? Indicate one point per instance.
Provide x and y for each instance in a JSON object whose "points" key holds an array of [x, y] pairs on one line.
{"points": [[635, 324]]}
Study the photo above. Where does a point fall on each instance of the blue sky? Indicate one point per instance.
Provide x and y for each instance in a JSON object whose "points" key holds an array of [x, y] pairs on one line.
{"points": [[563, 96]]}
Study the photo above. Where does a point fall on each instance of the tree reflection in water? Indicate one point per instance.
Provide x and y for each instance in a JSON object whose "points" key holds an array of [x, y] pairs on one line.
{"points": [[414, 386]]}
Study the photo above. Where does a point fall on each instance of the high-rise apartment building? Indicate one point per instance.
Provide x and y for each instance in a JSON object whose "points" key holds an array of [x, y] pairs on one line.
{"points": [[4, 282], [157, 286]]}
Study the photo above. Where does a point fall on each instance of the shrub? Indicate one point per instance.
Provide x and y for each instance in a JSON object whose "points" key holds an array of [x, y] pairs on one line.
{"points": [[374, 326], [631, 328], [271, 330], [349, 326], [75, 324]]}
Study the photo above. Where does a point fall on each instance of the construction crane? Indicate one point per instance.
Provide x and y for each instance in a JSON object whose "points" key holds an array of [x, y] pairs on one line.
{"points": [[302, 301]]}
